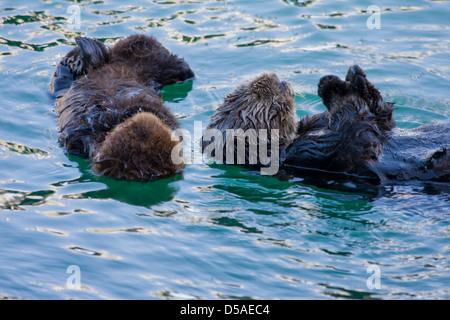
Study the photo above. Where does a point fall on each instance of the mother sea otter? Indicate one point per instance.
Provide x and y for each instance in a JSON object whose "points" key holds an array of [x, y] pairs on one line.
{"points": [[109, 110], [356, 138]]}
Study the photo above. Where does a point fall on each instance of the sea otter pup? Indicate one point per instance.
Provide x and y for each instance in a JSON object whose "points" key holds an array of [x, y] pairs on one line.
{"points": [[253, 124], [111, 114], [358, 136]]}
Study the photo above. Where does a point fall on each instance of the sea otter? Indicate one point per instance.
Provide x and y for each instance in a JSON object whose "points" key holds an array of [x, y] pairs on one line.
{"points": [[357, 135], [355, 139], [109, 111], [253, 124]]}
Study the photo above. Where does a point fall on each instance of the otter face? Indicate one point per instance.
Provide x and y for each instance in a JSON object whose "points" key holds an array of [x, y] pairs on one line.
{"points": [[176, 71]]}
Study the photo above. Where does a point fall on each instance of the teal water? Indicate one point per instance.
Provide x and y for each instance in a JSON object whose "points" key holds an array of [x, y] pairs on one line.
{"points": [[221, 232]]}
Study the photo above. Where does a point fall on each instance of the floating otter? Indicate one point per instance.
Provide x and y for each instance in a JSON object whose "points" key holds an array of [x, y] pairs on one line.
{"points": [[108, 109], [358, 136], [243, 126], [355, 139]]}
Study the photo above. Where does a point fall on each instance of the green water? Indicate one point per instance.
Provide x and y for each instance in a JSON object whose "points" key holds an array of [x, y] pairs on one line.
{"points": [[221, 232]]}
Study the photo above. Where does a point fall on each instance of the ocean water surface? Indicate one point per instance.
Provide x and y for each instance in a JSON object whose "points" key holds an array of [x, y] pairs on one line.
{"points": [[221, 232]]}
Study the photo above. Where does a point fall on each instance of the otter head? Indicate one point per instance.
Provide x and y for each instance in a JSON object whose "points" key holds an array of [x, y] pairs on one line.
{"points": [[265, 102], [272, 104], [150, 61], [269, 92], [261, 112], [140, 149]]}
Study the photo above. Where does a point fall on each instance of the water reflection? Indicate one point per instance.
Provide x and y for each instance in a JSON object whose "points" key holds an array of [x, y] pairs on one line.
{"points": [[298, 3], [144, 194], [18, 148], [231, 222], [17, 200], [255, 236], [137, 193], [177, 92]]}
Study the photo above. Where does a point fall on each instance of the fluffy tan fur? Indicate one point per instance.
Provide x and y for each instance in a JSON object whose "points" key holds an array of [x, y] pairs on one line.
{"points": [[138, 149]]}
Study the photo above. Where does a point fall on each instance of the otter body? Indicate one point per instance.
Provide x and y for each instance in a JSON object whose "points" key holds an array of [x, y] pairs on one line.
{"points": [[358, 137], [422, 153], [109, 110]]}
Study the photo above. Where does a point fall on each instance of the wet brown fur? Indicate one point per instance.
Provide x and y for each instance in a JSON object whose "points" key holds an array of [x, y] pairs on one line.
{"points": [[146, 56], [112, 115], [358, 136], [262, 103], [137, 149], [348, 137]]}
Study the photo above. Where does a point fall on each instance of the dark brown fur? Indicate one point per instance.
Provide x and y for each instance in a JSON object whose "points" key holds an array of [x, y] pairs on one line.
{"points": [[90, 54], [112, 115], [262, 103], [149, 61], [347, 138], [94, 106], [152, 63], [358, 136]]}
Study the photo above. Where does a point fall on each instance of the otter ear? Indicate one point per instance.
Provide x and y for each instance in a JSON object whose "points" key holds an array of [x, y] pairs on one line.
{"points": [[92, 54]]}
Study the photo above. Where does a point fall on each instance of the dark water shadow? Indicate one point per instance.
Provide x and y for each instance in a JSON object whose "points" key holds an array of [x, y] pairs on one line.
{"points": [[145, 194], [177, 92], [314, 181], [362, 186], [284, 180], [248, 183]]}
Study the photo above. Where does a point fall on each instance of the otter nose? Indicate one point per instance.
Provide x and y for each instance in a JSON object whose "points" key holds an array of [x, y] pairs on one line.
{"points": [[187, 72]]}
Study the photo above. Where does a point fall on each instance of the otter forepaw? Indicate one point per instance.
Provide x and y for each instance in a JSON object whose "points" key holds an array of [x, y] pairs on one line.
{"points": [[358, 82], [329, 87]]}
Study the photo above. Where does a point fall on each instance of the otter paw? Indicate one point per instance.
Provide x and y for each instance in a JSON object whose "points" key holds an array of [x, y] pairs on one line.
{"points": [[330, 87], [358, 82]]}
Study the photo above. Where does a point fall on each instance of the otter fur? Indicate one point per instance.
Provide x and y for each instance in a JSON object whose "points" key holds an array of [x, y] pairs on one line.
{"points": [[248, 116], [348, 137], [111, 112], [356, 138], [357, 135], [150, 63]]}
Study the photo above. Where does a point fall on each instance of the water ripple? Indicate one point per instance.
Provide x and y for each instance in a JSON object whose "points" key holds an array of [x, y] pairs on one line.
{"points": [[221, 232]]}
